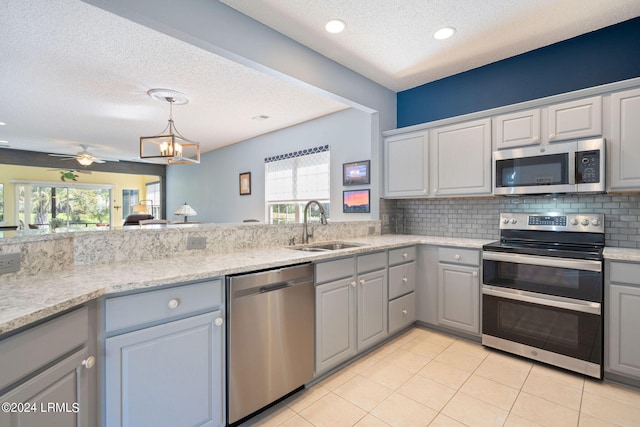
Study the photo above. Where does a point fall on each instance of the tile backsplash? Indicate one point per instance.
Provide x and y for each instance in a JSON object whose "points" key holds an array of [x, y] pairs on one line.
{"points": [[477, 217]]}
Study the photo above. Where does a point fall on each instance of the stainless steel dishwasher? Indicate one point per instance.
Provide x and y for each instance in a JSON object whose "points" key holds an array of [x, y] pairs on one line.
{"points": [[270, 337]]}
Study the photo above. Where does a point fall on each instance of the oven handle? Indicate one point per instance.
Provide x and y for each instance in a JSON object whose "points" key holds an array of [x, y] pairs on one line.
{"points": [[547, 300], [574, 264]]}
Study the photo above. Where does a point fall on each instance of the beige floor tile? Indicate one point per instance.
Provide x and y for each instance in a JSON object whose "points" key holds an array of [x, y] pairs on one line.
{"points": [[510, 359], [332, 411], [460, 359], [437, 337], [558, 375], [548, 388], [444, 374], [306, 397], [363, 392], [399, 411], [490, 391], [514, 420], [272, 417], [544, 412], [364, 362], [296, 421], [617, 392], [470, 347], [385, 350], [473, 412], [371, 421], [405, 337], [411, 361], [425, 348], [512, 375], [444, 421], [388, 374], [427, 392], [338, 378], [613, 411], [589, 421]]}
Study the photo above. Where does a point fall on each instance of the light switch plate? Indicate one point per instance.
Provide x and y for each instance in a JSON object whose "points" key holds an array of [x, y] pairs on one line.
{"points": [[9, 262], [196, 243]]}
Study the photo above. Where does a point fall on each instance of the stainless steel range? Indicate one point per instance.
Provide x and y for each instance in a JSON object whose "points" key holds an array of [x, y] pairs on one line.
{"points": [[543, 287]]}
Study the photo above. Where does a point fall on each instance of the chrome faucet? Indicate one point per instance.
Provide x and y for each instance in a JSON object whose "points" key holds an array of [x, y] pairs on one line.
{"points": [[323, 220]]}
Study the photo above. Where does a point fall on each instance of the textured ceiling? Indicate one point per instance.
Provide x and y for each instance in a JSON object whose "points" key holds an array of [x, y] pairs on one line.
{"points": [[73, 74], [391, 41]]}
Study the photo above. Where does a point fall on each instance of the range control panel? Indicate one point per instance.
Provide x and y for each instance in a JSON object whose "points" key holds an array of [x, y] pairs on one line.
{"points": [[579, 222]]}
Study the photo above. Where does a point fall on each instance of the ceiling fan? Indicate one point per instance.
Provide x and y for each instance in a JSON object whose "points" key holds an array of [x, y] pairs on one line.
{"points": [[84, 157]]}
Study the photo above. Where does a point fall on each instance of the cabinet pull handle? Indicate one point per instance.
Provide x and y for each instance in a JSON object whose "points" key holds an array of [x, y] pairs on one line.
{"points": [[457, 256], [405, 280], [474, 274], [174, 303], [89, 362], [353, 283], [362, 281], [218, 321], [404, 312]]}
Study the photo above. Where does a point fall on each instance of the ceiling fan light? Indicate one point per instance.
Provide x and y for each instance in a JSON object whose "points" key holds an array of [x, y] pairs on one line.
{"points": [[335, 26], [85, 160]]}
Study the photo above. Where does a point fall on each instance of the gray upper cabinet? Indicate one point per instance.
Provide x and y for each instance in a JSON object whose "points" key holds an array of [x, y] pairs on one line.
{"points": [[624, 149], [406, 165], [622, 311], [462, 159]]}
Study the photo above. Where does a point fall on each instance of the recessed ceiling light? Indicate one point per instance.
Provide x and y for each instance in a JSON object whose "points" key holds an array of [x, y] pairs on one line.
{"points": [[335, 26], [444, 33], [2, 123]]}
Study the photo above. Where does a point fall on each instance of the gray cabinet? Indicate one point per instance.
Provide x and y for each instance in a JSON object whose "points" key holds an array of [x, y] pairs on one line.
{"points": [[622, 311], [165, 360], [624, 150], [406, 165], [56, 358], [372, 308], [462, 159], [402, 285]]}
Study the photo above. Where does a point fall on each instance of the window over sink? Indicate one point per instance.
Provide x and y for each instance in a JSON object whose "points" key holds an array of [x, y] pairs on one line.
{"points": [[293, 179]]}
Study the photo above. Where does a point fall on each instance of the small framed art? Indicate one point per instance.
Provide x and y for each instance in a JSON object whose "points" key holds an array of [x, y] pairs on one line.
{"points": [[356, 173], [245, 183], [355, 201]]}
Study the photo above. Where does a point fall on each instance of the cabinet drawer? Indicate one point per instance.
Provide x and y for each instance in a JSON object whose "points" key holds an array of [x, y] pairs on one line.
{"points": [[334, 270], [402, 279], [402, 312], [400, 255], [152, 306], [624, 272], [28, 351], [371, 262], [459, 256]]}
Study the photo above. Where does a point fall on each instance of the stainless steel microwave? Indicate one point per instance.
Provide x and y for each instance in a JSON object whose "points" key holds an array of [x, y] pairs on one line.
{"points": [[564, 167]]}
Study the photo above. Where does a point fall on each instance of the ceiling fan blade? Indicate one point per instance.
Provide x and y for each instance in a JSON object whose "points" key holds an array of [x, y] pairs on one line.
{"points": [[70, 156]]}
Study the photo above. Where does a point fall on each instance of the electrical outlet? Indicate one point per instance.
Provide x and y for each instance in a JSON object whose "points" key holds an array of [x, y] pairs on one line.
{"points": [[9, 263], [196, 243]]}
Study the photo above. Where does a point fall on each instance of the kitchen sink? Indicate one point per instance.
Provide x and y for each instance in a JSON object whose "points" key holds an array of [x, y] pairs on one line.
{"points": [[325, 247]]}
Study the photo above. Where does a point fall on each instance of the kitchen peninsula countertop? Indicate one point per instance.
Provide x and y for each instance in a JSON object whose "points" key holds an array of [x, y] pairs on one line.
{"points": [[29, 299]]}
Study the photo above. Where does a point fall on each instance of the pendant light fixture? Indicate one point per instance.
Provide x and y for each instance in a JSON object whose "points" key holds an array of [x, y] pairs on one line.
{"points": [[170, 144]]}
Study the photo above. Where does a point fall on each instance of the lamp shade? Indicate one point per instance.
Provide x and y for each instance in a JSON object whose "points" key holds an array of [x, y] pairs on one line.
{"points": [[185, 210]]}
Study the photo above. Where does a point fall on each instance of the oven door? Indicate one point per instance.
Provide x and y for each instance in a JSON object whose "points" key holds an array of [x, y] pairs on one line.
{"points": [[548, 169], [554, 330], [578, 279]]}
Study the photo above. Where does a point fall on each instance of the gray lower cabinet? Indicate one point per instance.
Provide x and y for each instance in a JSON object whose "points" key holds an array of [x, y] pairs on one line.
{"points": [[166, 367], [372, 308], [622, 311], [47, 370], [402, 285]]}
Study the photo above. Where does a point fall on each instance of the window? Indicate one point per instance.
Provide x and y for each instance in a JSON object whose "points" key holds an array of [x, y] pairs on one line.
{"points": [[293, 179], [1, 203], [129, 199], [153, 194]]}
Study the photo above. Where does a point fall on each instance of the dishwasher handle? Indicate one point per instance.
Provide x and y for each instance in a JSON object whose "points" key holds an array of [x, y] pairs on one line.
{"points": [[269, 281], [275, 287]]}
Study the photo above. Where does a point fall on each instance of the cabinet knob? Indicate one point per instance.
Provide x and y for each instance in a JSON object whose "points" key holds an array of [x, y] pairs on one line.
{"points": [[404, 255], [89, 362], [174, 303], [353, 283], [362, 281], [405, 280], [536, 139], [218, 321], [404, 312], [474, 274], [552, 136], [457, 256]]}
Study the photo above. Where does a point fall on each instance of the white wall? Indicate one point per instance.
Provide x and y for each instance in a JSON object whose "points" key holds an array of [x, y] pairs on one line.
{"points": [[212, 188]]}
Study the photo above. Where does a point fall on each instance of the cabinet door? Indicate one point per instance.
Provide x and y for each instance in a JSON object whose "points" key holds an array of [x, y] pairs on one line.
{"points": [[518, 129], [406, 160], [372, 308], [623, 338], [459, 297], [65, 385], [624, 147], [335, 323], [462, 156], [167, 375], [575, 119]]}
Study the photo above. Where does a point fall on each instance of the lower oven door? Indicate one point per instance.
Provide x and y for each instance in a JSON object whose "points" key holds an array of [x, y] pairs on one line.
{"points": [[555, 330]]}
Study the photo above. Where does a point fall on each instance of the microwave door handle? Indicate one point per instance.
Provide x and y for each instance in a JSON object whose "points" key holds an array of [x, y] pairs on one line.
{"points": [[546, 300], [571, 165], [570, 263]]}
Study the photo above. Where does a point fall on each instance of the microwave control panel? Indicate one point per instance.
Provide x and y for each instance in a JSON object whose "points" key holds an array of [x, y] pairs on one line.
{"points": [[588, 167]]}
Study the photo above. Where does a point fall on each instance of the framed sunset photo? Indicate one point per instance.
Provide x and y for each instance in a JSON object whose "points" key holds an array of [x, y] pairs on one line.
{"points": [[355, 201]]}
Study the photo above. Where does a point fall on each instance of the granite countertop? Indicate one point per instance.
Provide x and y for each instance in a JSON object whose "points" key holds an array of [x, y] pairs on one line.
{"points": [[30, 299]]}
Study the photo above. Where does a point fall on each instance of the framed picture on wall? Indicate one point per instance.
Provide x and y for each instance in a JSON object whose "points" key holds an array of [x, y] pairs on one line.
{"points": [[356, 173], [245, 183], [355, 201]]}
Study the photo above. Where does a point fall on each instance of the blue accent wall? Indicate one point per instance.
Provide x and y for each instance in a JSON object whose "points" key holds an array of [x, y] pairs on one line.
{"points": [[604, 56]]}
